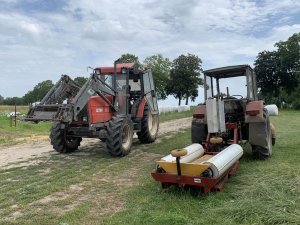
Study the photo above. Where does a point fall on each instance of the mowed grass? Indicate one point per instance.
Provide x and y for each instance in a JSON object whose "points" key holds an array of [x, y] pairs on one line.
{"points": [[91, 187]]}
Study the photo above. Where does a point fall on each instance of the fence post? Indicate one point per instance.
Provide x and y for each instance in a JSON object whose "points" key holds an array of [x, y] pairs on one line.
{"points": [[15, 115]]}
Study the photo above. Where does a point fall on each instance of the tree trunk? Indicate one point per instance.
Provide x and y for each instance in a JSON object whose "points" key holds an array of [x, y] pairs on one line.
{"points": [[187, 100], [179, 102]]}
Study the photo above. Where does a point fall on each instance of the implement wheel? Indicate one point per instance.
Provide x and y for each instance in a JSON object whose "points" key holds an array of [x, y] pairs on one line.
{"points": [[149, 129], [119, 136], [61, 142]]}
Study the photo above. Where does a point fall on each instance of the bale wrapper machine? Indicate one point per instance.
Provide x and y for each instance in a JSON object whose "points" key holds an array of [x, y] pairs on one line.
{"points": [[220, 129]]}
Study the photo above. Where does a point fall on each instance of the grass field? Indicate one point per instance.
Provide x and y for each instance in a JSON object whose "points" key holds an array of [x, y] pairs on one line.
{"points": [[91, 187]]}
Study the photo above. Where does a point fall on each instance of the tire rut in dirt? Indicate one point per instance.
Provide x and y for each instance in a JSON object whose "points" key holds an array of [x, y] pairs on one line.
{"points": [[119, 136], [61, 142]]}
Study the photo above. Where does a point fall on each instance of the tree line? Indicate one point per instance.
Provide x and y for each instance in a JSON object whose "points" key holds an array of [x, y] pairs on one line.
{"points": [[278, 76]]}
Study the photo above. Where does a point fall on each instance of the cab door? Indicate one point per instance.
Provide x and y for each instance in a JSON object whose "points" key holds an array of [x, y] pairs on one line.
{"points": [[149, 91]]}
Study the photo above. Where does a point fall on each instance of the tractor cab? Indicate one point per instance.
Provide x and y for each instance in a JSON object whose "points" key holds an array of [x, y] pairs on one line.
{"points": [[131, 85], [233, 87]]}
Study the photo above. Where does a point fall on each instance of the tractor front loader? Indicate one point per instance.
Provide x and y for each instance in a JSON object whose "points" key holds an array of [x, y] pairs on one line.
{"points": [[64, 90], [220, 128], [114, 103]]}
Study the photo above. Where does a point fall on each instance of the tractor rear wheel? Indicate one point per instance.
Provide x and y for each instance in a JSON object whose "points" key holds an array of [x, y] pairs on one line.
{"points": [[61, 142], [149, 127], [264, 152], [119, 136]]}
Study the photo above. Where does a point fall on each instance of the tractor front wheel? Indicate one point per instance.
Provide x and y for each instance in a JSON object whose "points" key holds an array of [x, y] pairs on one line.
{"points": [[61, 142], [149, 127], [119, 136]]}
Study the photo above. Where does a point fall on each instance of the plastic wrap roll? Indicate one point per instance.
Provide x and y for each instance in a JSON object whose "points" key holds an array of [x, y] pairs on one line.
{"points": [[272, 110], [194, 151], [224, 160]]}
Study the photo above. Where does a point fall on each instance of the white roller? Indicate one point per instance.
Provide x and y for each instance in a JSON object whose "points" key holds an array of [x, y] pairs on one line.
{"points": [[272, 110], [194, 151], [224, 160]]}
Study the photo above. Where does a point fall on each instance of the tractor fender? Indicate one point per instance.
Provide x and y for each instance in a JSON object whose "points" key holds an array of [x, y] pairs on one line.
{"points": [[200, 113], [258, 131], [140, 111], [254, 112]]}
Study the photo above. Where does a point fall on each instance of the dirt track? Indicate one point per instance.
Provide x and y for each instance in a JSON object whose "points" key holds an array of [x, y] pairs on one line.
{"points": [[26, 154]]}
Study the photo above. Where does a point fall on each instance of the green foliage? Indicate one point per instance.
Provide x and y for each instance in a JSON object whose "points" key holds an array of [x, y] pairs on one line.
{"points": [[1, 99], [80, 80], [160, 68], [38, 92], [129, 58], [278, 72], [289, 55], [185, 77], [267, 71], [12, 101]]}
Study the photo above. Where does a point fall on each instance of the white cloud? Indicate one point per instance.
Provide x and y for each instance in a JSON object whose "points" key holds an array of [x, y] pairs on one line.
{"points": [[38, 45]]}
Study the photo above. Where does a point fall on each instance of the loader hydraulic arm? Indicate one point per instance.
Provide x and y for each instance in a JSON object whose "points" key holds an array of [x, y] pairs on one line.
{"points": [[95, 84], [65, 87]]}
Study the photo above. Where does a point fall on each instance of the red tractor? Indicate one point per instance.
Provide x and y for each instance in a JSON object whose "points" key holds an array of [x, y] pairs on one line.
{"points": [[114, 103]]}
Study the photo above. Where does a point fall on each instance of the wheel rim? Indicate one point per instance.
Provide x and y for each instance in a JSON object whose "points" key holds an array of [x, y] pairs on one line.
{"points": [[152, 124], [126, 137]]}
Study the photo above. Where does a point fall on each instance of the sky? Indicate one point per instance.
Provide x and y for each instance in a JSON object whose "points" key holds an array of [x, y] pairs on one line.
{"points": [[42, 39]]}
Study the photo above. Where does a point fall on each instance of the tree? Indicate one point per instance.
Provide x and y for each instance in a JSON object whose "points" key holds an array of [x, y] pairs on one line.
{"points": [[129, 58], [80, 80], [185, 77], [278, 72], [160, 68], [1, 100], [13, 101], [289, 55], [38, 92], [267, 69]]}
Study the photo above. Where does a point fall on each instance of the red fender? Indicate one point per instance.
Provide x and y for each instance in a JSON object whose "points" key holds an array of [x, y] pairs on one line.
{"points": [[200, 113], [141, 108], [254, 112]]}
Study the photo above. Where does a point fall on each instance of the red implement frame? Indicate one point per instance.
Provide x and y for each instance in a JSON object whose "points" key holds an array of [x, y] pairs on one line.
{"points": [[204, 184]]}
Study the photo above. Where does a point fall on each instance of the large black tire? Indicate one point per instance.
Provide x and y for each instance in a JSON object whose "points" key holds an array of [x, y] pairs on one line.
{"points": [[119, 136], [199, 132], [61, 142], [264, 152], [149, 127]]}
